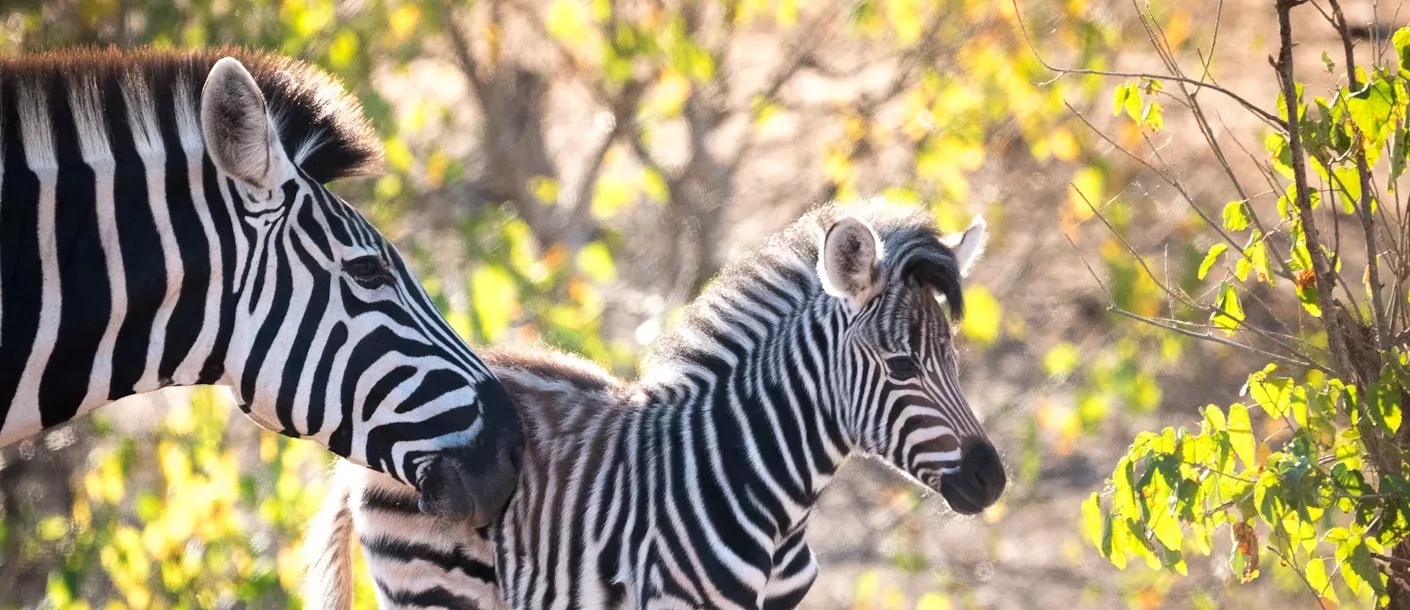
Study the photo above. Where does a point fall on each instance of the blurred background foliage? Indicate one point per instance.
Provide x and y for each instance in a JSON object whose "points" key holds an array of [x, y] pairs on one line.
{"points": [[572, 171]]}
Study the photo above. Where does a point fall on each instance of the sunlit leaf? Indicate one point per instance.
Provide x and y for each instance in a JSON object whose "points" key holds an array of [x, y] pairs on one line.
{"points": [[1153, 116], [1211, 257], [982, 315], [1235, 216], [1274, 394], [933, 601], [1371, 108], [1229, 312], [1092, 519], [1062, 360], [1241, 435]]}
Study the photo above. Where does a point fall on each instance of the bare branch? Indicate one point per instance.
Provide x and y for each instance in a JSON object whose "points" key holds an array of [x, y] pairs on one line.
{"points": [[1323, 273], [1364, 171], [1061, 72]]}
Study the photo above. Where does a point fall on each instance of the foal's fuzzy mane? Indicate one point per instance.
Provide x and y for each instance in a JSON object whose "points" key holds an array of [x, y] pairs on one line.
{"points": [[321, 126], [912, 250]]}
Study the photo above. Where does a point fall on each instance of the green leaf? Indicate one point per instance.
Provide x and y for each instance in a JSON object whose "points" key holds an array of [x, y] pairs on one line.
{"points": [[1328, 63], [1153, 116], [595, 260], [1348, 186], [1062, 360], [1384, 405], [1211, 257], [1229, 312], [1358, 569], [1281, 154], [1241, 435], [1274, 395], [1092, 520], [1257, 255], [1214, 419], [1127, 98], [981, 322], [1401, 40], [1283, 104], [1235, 216], [1371, 109], [1316, 573]]}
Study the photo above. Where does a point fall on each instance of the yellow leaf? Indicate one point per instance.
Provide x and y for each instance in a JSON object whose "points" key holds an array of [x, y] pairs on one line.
{"points": [[1088, 185], [982, 315], [1241, 435], [668, 96], [612, 193], [402, 21], [933, 601], [566, 19], [1063, 144], [343, 50], [595, 260], [544, 188]]}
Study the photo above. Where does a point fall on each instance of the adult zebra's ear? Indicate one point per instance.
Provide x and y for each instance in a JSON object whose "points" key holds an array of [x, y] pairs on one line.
{"points": [[240, 138], [968, 246], [847, 263]]}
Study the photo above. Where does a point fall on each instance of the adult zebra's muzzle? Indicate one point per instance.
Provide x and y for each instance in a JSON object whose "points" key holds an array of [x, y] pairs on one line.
{"points": [[475, 482], [979, 481]]}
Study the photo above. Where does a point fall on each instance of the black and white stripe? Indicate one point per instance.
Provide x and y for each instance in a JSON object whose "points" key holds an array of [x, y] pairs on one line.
{"points": [[692, 487], [163, 221]]}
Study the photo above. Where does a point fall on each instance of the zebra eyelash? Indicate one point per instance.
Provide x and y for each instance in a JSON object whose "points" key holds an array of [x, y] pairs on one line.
{"points": [[369, 271]]}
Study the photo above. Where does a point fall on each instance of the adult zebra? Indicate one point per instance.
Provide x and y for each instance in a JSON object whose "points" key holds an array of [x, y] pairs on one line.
{"points": [[692, 487], [163, 221]]}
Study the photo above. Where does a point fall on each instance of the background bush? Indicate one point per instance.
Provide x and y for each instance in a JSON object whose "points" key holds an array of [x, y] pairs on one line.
{"points": [[573, 171]]}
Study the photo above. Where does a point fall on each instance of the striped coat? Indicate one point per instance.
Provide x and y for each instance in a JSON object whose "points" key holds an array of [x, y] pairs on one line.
{"points": [[164, 221], [692, 487]]}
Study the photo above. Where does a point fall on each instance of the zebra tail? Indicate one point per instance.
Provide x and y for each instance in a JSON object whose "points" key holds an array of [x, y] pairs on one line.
{"points": [[328, 550]]}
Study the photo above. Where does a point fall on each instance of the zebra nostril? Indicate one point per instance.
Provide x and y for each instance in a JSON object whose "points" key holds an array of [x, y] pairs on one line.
{"points": [[984, 471]]}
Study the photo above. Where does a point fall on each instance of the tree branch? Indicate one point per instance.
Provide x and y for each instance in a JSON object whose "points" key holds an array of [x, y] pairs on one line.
{"points": [[1364, 172], [1323, 273]]}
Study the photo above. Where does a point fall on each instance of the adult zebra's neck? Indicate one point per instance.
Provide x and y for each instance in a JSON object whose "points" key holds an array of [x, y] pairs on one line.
{"points": [[749, 367], [116, 239]]}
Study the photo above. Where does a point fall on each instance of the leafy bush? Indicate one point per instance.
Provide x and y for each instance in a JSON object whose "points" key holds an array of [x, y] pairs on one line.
{"points": [[1313, 469]]}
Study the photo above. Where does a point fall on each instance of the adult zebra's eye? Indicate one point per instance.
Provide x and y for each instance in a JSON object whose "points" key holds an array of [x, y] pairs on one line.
{"points": [[370, 271], [902, 367]]}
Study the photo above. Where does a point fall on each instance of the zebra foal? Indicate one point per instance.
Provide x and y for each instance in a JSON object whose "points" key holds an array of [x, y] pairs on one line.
{"points": [[163, 221], [691, 488]]}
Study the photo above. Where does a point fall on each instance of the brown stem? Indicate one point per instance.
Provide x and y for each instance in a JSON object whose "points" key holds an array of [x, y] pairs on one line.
{"points": [[1323, 274], [1364, 172]]}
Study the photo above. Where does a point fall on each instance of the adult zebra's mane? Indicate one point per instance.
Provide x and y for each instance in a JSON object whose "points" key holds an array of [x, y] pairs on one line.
{"points": [[779, 279], [321, 126]]}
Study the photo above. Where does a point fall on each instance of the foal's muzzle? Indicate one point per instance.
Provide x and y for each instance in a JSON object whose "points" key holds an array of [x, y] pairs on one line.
{"points": [[978, 483]]}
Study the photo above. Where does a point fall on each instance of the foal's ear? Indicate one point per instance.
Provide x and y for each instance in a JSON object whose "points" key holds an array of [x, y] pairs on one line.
{"points": [[240, 138], [968, 246], [848, 262]]}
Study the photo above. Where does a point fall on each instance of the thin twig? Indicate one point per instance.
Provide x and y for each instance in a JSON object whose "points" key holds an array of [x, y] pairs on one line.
{"points": [[1296, 570], [1061, 72]]}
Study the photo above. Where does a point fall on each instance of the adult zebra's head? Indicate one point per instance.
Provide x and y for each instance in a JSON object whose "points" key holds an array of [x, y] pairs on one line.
{"points": [[900, 381], [332, 337]]}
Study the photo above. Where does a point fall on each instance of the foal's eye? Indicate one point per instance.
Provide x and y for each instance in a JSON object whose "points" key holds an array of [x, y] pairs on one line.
{"points": [[902, 367], [369, 271]]}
